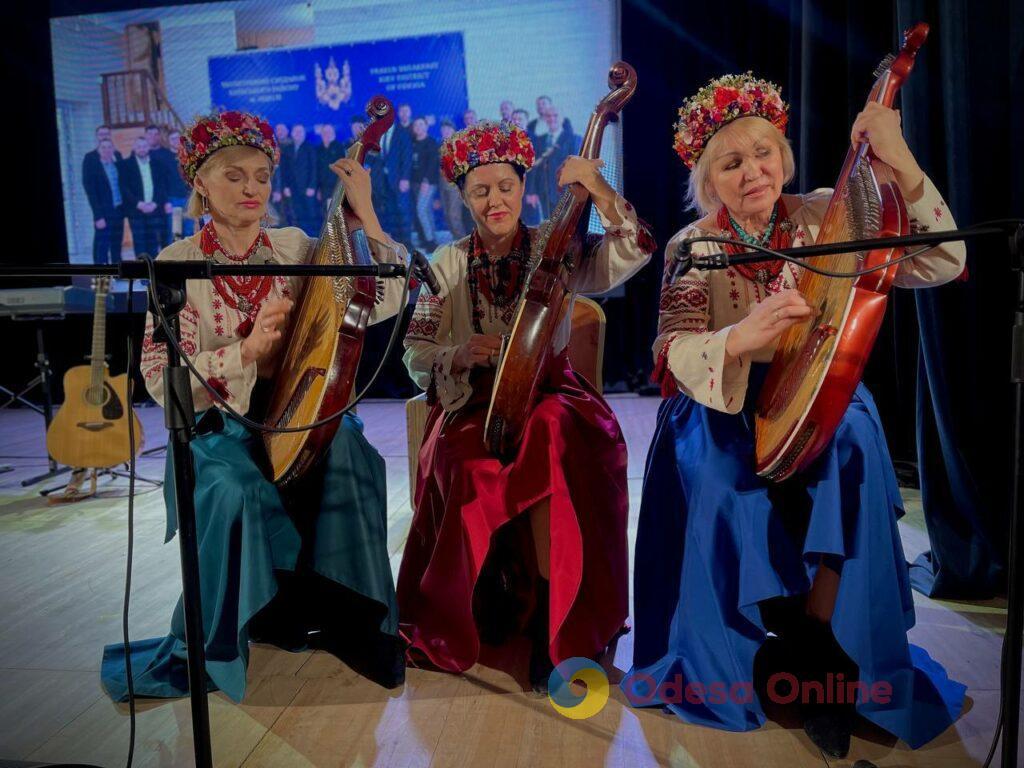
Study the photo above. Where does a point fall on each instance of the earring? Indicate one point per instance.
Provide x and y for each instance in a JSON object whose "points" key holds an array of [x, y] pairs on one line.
{"points": [[266, 220], [206, 204]]}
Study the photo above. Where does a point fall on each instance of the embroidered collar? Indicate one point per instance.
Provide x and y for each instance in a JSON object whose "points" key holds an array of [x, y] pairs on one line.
{"points": [[498, 281], [260, 252], [243, 293]]}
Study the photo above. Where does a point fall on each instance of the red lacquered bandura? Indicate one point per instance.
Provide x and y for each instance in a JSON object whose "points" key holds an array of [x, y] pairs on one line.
{"points": [[819, 363]]}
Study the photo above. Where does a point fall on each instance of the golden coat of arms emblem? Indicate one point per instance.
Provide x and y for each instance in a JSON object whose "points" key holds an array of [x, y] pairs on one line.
{"points": [[333, 86]]}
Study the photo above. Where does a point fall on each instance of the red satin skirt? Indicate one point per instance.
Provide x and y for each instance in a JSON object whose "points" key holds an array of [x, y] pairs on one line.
{"points": [[573, 453]]}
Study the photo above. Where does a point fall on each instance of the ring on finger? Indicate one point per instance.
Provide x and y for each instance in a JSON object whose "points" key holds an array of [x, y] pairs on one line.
{"points": [[778, 316]]}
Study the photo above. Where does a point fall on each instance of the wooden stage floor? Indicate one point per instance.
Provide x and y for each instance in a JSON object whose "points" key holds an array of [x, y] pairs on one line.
{"points": [[62, 571]]}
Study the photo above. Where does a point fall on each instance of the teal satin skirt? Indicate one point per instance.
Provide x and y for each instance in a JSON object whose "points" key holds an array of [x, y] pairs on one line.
{"points": [[277, 565]]}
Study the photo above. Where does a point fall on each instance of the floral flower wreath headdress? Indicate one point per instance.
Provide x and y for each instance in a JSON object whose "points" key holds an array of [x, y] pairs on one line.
{"points": [[719, 103], [228, 129], [483, 143]]}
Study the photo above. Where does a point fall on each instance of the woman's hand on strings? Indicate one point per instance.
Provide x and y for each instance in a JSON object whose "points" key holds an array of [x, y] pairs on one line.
{"points": [[766, 322], [267, 331], [481, 351]]}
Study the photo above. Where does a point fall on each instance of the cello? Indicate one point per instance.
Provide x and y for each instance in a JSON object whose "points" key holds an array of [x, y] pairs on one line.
{"points": [[322, 349], [819, 363], [558, 254]]}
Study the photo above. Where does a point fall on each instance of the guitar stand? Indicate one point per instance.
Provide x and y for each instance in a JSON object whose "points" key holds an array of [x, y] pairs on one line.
{"points": [[127, 475], [108, 472]]}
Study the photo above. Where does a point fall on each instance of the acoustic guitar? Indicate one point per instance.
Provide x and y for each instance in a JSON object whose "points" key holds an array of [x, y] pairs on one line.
{"points": [[91, 426]]}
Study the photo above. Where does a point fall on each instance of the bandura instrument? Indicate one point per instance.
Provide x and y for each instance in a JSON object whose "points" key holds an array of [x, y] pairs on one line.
{"points": [[317, 370], [819, 363]]}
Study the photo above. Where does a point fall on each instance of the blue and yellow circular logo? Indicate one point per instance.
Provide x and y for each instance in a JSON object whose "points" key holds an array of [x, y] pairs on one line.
{"points": [[568, 703]]}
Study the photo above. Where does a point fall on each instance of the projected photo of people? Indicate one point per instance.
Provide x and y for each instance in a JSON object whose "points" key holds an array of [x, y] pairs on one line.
{"points": [[310, 70]]}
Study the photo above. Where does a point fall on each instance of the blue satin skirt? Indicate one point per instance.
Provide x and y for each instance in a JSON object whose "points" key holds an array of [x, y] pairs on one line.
{"points": [[714, 542]]}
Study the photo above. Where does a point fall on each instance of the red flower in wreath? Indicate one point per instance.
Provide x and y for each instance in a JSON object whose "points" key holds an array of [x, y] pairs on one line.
{"points": [[726, 96], [486, 142], [233, 120]]}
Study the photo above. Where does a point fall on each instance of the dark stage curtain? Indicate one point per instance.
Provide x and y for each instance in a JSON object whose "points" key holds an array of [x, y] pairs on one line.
{"points": [[961, 117], [944, 349]]}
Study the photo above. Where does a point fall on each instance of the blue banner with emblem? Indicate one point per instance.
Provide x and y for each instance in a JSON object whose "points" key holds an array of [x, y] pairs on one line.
{"points": [[331, 83]]}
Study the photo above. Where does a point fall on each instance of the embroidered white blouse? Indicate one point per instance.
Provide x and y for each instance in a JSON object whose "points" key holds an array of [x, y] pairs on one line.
{"points": [[441, 323], [697, 312], [212, 331]]}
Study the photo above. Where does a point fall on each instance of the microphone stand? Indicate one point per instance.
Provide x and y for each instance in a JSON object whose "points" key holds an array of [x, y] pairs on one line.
{"points": [[1010, 672], [180, 419], [685, 261]]}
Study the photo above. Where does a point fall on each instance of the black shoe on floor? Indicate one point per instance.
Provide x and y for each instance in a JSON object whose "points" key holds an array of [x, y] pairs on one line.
{"points": [[829, 726]]}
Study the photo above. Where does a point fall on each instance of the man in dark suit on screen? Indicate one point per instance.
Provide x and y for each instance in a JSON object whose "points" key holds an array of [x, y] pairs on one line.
{"points": [[102, 132], [551, 148], [303, 182], [390, 171], [330, 151], [167, 162], [102, 188], [144, 192], [282, 179]]}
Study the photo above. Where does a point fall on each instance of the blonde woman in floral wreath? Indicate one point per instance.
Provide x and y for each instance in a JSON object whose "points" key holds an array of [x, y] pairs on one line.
{"points": [[290, 568], [724, 556], [536, 547]]}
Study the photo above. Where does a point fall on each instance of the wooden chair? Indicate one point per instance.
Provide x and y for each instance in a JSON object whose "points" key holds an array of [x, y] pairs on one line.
{"points": [[586, 353]]}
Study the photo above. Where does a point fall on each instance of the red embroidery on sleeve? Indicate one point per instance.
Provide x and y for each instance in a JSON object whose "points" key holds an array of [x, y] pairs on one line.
{"points": [[426, 318], [644, 238], [661, 375], [220, 386]]}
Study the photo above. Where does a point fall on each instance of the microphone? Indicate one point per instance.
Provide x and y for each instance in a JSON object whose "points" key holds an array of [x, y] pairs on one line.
{"points": [[176, 223], [683, 261], [423, 272]]}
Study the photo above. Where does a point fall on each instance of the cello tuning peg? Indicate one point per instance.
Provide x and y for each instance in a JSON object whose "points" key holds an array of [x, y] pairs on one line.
{"points": [[884, 64]]}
